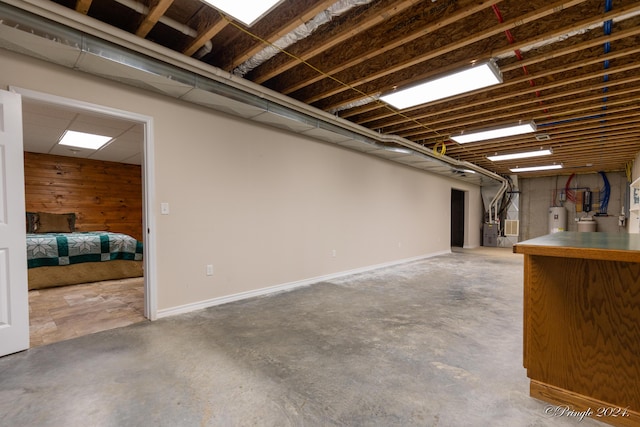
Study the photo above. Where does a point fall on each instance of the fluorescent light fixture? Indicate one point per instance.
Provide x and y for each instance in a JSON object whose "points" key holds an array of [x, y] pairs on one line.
{"points": [[495, 132], [477, 76], [536, 168], [83, 140], [245, 11], [522, 155]]}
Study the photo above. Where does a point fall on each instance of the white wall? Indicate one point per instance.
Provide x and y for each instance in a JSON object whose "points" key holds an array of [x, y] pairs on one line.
{"points": [[264, 206]]}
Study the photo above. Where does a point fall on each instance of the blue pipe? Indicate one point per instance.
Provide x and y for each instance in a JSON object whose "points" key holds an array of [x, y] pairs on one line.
{"points": [[597, 116], [606, 193]]}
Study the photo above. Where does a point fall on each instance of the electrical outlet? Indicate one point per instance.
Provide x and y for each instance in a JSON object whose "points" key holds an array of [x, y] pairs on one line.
{"points": [[333, 253], [209, 270]]}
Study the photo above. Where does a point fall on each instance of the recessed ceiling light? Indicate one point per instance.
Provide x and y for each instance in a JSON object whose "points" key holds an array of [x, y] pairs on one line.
{"points": [[521, 155], [536, 168], [83, 140], [495, 132], [245, 11], [479, 75]]}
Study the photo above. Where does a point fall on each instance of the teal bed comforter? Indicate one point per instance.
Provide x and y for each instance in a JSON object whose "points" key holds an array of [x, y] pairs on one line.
{"points": [[72, 248]]}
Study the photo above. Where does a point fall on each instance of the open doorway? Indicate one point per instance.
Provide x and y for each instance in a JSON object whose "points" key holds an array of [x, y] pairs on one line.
{"points": [[75, 298], [457, 218]]}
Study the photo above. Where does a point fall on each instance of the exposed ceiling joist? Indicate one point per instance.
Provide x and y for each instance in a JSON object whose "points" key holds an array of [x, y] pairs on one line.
{"points": [[570, 65]]}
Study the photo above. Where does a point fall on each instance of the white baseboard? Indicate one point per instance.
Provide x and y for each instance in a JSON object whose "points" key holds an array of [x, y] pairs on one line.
{"points": [[186, 308]]}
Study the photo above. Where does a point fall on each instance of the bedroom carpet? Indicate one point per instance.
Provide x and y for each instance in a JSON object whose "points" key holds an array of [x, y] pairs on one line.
{"points": [[436, 342], [65, 312]]}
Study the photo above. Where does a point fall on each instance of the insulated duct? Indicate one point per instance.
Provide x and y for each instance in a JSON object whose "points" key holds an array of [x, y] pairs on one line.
{"points": [[301, 32], [545, 42], [573, 33], [47, 31]]}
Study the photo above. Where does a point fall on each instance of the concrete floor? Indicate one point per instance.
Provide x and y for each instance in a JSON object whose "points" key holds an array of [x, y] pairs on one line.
{"points": [[431, 343]]}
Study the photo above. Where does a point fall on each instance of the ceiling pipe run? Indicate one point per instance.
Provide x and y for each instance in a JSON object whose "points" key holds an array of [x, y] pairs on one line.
{"points": [[511, 54], [88, 45], [573, 33]]}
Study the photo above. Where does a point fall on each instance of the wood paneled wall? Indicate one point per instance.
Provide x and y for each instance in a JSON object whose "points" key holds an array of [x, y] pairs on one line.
{"points": [[104, 195]]}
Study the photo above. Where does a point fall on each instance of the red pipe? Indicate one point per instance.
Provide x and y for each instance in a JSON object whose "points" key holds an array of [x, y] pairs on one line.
{"points": [[512, 40]]}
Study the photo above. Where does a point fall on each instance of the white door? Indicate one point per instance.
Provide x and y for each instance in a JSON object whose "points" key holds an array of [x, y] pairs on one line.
{"points": [[14, 303]]}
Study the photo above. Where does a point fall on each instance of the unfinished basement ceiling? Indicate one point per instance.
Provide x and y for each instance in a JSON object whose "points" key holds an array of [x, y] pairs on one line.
{"points": [[571, 66]]}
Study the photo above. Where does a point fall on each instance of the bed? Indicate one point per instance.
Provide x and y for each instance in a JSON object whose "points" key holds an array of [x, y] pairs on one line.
{"points": [[57, 255]]}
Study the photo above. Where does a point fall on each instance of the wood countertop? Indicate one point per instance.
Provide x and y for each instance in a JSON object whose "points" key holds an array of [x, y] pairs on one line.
{"points": [[581, 341], [588, 245]]}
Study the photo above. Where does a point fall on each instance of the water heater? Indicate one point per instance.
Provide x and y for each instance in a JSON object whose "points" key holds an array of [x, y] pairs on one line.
{"points": [[557, 219]]}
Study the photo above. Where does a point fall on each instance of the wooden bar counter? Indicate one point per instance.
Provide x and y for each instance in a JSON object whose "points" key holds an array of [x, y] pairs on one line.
{"points": [[582, 323]]}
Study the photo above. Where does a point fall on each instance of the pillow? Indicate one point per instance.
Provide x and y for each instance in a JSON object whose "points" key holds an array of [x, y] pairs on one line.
{"points": [[55, 223]]}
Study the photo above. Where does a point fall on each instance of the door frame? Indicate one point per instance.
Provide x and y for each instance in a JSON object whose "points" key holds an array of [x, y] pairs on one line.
{"points": [[148, 182], [465, 216]]}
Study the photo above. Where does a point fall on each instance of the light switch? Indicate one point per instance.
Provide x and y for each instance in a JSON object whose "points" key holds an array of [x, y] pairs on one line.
{"points": [[164, 208]]}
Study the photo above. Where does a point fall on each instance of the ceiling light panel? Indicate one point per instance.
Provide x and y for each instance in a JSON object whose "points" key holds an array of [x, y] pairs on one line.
{"points": [[83, 140], [246, 11], [536, 168], [478, 76], [496, 132], [521, 155]]}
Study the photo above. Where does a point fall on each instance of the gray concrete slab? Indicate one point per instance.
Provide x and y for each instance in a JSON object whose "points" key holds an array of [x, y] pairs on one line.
{"points": [[436, 342]]}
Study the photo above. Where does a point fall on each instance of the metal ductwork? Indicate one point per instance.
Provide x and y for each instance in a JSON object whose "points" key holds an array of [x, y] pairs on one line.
{"points": [[45, 30]]}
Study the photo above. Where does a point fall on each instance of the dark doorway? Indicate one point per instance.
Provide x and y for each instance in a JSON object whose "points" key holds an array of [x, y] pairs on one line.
{"points": [[457, 218]]}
